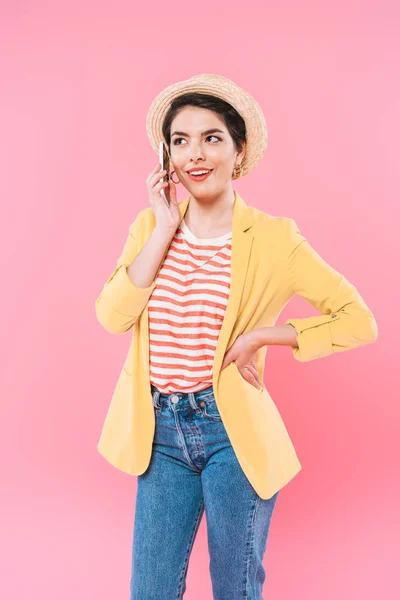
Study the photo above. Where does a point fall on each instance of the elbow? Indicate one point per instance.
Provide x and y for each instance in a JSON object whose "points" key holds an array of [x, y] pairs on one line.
{"points": [[367, 330], [111, 320], [373, 329]]}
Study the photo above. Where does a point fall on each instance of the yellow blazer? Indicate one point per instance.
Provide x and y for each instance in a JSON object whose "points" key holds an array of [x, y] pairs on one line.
{"points": [[271, 262]]}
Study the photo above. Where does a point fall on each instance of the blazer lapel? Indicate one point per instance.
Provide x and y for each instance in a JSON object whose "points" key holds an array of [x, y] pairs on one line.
{"points": [[242, 241]]}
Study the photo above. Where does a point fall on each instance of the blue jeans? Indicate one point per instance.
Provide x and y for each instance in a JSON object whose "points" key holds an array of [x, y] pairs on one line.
{"points": [[193, 469]]}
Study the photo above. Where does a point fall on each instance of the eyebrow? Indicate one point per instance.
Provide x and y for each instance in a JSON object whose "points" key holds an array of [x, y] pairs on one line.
{"points": [[204, 132]]}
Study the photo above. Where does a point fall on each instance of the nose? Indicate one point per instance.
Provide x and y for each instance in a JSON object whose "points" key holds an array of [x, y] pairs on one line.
{"points": [[196, 154]]}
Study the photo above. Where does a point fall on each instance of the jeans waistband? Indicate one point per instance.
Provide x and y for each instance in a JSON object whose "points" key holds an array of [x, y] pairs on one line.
{"points": [[194, 398]]}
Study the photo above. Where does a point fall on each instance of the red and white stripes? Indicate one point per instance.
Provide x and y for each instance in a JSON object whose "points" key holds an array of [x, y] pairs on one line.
{"points": [[186, 310]]}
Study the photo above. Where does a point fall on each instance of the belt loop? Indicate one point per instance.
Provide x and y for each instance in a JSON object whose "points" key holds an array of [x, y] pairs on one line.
{"points": [[193, 403], [155, 396]]}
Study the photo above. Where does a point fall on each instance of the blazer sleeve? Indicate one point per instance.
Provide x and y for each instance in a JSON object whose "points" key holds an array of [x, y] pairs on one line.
{"points": [[120, 302], [346, 321]]}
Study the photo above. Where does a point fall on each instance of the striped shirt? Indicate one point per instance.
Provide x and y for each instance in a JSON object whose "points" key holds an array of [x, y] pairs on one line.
{"points": [[186, 310]]}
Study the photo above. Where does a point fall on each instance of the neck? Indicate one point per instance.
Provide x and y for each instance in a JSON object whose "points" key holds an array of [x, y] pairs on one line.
{"points": [[209, 212]]}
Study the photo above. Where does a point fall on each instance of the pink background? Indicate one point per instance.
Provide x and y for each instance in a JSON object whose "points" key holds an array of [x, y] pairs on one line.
{"points": [[77, 79]]}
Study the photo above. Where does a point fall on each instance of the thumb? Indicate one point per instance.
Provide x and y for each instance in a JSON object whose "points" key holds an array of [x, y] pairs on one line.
{"points": [[226, 361]]}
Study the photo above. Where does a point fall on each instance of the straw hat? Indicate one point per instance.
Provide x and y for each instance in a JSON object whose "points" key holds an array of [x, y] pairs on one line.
{"points": [[228, 90]]}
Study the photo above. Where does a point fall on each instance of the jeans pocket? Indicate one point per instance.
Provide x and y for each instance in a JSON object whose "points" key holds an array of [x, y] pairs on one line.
{"points": [[210, 410]]}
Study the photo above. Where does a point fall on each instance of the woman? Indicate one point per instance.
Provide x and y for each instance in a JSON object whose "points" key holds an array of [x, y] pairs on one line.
{"points": [[200, 285]]}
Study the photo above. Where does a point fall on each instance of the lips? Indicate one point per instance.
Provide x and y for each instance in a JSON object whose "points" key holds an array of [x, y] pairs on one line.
{"points": [[199, 177]]}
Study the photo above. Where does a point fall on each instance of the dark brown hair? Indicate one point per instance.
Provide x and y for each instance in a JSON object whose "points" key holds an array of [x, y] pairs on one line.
{"points": [[229, 115]]}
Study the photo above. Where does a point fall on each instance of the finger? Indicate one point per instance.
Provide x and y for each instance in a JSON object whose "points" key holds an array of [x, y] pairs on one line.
{"points": [[153, 171], [227, 359], [157, 177], [158, 186], [254, 381], [253, 369], [254, 376]]}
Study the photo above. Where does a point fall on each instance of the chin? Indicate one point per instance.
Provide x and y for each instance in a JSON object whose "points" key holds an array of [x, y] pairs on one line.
{"points": [[211, 191]]}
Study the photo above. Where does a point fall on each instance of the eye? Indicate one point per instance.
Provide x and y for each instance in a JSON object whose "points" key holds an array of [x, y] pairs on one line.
{"points": [[176, 140]]}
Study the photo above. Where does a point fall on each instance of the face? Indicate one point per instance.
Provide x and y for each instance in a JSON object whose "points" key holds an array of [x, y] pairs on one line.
{"points": [[200, 140]]}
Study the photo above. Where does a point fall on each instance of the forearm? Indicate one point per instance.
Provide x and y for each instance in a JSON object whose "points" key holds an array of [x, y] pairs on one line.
{"points": [[282, 335], [143, 268]]}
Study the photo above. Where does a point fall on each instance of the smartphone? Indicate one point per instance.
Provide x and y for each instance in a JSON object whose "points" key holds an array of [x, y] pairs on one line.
{"points": [[164, 161]]}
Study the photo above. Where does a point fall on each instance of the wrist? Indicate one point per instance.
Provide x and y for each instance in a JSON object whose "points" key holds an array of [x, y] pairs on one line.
{"points": [[284, 335], [258, 338], [162, 234]]}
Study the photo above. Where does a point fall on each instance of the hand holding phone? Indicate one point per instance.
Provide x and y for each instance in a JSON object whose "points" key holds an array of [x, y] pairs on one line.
{"points": [[166, 211]]}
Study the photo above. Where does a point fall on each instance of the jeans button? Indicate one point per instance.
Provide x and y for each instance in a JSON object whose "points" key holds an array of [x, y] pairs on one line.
{"points": [[174, 398]]}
